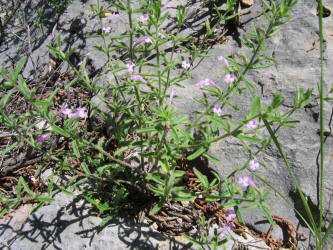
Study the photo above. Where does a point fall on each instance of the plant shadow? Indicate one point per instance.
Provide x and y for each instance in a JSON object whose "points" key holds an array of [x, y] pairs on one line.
{"points": [[77, 224]]}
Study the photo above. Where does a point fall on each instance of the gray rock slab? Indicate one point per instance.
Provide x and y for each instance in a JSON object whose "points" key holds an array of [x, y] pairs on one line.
{"points": [[67, 224]]}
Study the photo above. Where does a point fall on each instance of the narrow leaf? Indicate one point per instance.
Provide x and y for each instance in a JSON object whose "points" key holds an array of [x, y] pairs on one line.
{"points": [[196, 154]]}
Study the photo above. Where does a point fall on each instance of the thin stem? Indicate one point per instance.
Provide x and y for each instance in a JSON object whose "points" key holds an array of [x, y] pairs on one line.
{"points": [[304, 201], [321, 94]]}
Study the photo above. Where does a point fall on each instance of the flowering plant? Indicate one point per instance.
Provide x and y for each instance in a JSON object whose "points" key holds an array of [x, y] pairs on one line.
{"points": [[141, 112]]}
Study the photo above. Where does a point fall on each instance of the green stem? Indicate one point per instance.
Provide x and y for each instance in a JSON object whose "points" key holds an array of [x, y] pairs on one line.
{"points": [[321, 94], [304, 201]]}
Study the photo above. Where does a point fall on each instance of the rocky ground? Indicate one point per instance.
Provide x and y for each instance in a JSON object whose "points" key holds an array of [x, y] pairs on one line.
{"points": [[68, 224]]}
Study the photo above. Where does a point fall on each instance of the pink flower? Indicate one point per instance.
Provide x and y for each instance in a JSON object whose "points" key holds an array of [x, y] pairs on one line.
{"points": [[254, 164], [252, 124], [65, 111], [113, 15], [147, 40], [230, 214], [225, 61], [138, 78], [206, 83], [72, 115], [246, 181], [41, 138], [186, 64], [227, 226], [136, 44], [160, 35], [172, 93], [166, 6], [130, 66], [107, 29], [229, 78], [81, 112], [144, 18], [217, 109]]}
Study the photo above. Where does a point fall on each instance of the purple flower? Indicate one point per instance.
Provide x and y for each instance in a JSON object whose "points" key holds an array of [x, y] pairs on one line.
{"points": [[225, 61], [217, 109], [254, 164], [80, 63], [81, 112], [246, 181], [72, 115], [229, 78], [147, 40], [107, 29], [206, 83], [160, 35], [144, 18], [172, 93], [113, 15], [138, 78], [252, 124], [227, 226], [130, 66], [201, 230], [136, 44], [186, 64], [166, 6], [65, 111], [230, 214], [41, 138]]}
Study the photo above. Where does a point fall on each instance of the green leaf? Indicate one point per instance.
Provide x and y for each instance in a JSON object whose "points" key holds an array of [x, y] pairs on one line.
{"points": [[193, 240], [158, 191], [85, 168], [45, 199], [266, 4], [266, 213], [209, 31], [249, 138], [328, 231], [5, 210], [255, 106], [5, 99], [277, 101], [23, 87], [182, 194], [19, 67], [9, 148], [196, 154], [262, 66], [156, 178], [106, 220], [274, 31], [239, 215], [203, 179], [76, 149], [25, 186], [212, 158], [219, 121], [210, 198], [157, 207], [60, 131]]}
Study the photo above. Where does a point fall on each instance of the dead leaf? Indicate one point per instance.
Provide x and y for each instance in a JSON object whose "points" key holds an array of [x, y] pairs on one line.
{"points": [[247, 2]]}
